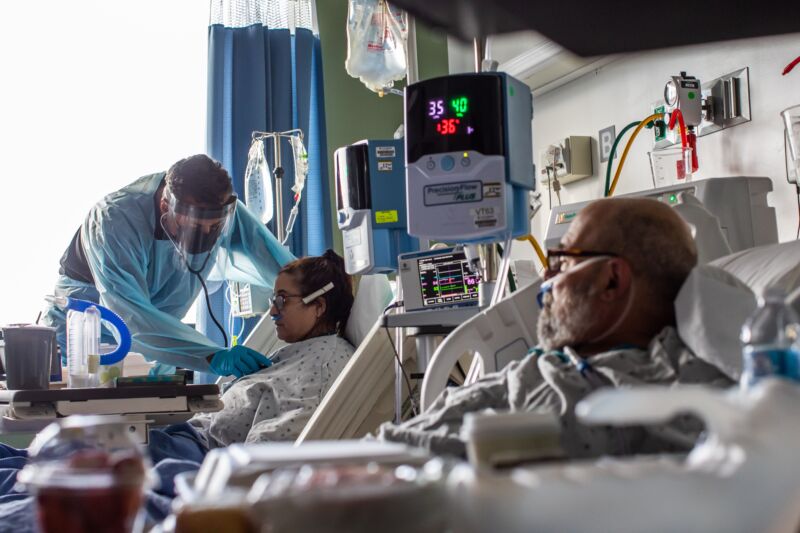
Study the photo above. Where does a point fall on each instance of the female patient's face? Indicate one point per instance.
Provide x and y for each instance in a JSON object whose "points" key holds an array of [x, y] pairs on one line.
{"points": [[296, 321]]}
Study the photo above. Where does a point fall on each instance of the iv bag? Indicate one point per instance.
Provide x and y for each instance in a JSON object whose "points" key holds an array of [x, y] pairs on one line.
{"points": [[376, 43], [300, 173], [300, 163], [258, 183]]}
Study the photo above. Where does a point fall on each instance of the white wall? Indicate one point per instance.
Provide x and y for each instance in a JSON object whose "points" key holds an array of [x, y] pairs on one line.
{"points": [[622, 91], [93, 95]]}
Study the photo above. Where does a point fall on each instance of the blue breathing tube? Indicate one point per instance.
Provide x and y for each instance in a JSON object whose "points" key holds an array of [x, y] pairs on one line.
{"points": [[112, 318]]}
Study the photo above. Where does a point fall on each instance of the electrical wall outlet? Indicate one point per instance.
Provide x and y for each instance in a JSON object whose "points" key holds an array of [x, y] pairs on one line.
{"points": [[569, 159]]}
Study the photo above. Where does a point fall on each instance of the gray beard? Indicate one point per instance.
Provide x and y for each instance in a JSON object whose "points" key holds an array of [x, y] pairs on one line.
{"points": [[565, 322]]}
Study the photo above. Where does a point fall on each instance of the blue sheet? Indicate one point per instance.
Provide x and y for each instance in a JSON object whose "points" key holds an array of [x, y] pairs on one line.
{"points": [[173, 450]]}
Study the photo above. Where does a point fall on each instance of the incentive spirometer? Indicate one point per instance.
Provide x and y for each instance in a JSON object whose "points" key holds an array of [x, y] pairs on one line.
{"points": [[469, 164], [370, 204]]}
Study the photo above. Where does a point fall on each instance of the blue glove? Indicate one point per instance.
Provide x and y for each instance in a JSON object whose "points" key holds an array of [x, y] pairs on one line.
{"points": [[238, 361]]}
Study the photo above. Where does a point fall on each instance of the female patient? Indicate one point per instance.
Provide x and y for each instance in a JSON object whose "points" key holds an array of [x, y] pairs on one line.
{"points": [[311, 302]]}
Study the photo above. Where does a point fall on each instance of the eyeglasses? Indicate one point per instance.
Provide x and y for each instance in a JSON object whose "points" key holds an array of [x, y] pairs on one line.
{"points": [[557, 258], [279, 301]]}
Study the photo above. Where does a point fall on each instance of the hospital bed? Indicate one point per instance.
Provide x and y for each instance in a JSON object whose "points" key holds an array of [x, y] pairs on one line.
{"points": [[726, 215], [741, 477], [362, 396]]}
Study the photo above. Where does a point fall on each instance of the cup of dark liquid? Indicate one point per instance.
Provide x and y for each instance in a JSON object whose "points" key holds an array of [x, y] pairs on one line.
{"points": [[28, 356], [86, 474]]}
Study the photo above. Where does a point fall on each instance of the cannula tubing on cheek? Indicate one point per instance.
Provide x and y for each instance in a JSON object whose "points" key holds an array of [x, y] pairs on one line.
{"points": [[547, 285]]}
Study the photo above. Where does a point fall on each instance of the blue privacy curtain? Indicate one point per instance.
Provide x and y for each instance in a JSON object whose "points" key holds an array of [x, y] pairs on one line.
{"points": [[265, 74]]}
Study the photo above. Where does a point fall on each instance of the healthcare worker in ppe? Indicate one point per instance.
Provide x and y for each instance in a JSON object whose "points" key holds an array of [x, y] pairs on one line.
{"points": [[146, 252]]}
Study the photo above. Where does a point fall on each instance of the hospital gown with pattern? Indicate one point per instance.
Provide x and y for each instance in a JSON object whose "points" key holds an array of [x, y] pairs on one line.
{"points": [[550, 381], [275, 403]]}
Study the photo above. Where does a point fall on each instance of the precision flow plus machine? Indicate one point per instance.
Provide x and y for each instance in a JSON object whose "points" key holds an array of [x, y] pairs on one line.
{"points": [[469, 158]]}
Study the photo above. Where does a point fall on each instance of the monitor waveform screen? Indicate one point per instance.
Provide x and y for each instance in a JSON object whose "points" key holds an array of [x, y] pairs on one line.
{"points": [[445, 279]]}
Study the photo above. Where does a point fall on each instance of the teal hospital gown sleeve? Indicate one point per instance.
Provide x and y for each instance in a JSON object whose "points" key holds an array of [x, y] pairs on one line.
{"points": [[118, 254]]}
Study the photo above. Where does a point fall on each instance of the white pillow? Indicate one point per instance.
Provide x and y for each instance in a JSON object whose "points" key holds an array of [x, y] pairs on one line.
{"points": [[710, 309], [373, 294], [773, 265]]}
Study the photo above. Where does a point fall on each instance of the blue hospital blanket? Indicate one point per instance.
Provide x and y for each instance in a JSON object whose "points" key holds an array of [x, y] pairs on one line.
{"points": [[173, 450]]}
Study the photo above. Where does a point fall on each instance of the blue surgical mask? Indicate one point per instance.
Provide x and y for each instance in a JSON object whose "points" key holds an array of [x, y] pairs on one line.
{"points": [[547, 286]]}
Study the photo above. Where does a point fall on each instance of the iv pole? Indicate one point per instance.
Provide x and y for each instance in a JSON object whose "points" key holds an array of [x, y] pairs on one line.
{"points": [[278, 171], [412, 76]]}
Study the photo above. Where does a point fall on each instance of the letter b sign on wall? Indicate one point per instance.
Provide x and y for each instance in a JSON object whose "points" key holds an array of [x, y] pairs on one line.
{"points": [[606, 141]]}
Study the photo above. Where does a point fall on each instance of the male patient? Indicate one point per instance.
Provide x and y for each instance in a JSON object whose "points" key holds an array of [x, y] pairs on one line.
{"points": [[607, 321]]}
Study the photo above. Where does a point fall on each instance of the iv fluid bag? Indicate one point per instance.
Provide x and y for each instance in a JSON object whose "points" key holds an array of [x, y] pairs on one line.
{"points": [[258, 183], [376, 43], [300, 163]]}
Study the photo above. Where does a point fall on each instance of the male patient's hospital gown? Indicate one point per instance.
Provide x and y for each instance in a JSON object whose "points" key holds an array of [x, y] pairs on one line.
{"points": [[275, 403], [550, 381]]}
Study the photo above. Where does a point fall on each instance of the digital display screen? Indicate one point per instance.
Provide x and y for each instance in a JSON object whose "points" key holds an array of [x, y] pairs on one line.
{"points": [[445, 279], [458, 106], [454, 114]]}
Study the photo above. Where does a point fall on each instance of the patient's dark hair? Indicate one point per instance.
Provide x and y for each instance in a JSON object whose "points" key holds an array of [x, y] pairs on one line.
{"points": [[314, 272], [200, 180]]}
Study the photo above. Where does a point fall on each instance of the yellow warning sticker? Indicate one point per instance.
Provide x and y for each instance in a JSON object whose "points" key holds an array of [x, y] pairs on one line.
{"points": [[385, 217]]}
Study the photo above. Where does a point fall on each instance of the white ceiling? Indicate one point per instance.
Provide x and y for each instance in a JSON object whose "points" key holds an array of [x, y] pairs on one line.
{"points": [[529, 56]]}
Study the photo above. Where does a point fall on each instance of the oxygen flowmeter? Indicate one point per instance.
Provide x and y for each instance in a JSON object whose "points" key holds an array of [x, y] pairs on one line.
{"points": [[370, 204], [469, 164]]}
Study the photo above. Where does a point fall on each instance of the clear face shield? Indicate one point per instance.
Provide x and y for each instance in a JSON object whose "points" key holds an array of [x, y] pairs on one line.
{"points": [[197, 232]]}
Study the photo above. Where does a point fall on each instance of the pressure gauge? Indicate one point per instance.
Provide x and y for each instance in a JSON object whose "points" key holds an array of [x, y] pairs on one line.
{"points": [[684, 92], [671, 93]]}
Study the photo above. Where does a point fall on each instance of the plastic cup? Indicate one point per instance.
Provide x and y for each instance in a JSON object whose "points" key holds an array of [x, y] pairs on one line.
{"points": [[71, 510], [670, 166], [791, 121], [106, 374], [28, 356], [86, 474]]}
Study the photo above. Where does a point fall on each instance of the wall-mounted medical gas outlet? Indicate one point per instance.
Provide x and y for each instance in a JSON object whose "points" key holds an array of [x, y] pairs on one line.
{"points": [[569, 159], [683, 92], [723, 102], [726, 102]]}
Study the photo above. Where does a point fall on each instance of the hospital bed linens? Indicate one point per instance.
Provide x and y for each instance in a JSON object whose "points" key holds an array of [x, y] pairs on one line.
{"points": [[552, 381], [275, 403], [178, 448]]}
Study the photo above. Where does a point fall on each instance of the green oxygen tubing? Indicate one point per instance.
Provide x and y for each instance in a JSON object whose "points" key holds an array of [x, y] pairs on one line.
{"points": [[73, 304]]}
